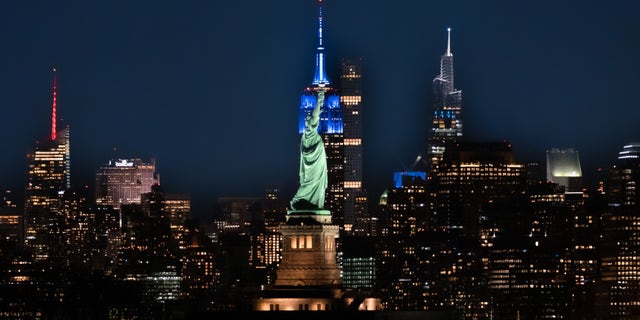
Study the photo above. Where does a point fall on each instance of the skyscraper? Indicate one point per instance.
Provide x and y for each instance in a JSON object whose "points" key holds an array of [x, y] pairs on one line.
{"points": [[398, 270], [618, 292], [308, 276], [472, 177], [48, 177], [447, 109], [122, 181], [563, 167], [355, 197], [179, 208], [308, 235], [331, 125]]}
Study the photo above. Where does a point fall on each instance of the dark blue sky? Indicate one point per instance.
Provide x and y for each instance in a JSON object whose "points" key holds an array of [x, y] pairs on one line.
{"points": [[211, 88]]}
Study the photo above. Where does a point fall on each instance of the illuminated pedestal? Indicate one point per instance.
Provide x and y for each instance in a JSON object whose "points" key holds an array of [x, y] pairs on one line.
{"points": [[308, 277], [309, 250]]}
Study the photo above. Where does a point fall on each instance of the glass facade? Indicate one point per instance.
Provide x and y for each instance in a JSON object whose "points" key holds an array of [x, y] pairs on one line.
{"points": [[446, 125], [48, 177]]}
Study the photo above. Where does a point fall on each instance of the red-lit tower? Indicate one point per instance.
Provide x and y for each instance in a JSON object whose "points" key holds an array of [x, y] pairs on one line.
{"points": [[53, 108], [48, 177]]}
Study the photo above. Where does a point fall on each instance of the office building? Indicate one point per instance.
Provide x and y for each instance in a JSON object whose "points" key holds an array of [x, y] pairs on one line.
{"points": [[471, 173], [359, 263], [199, 275], [122, 181], [178, 206], [356, 217], [274, 207], [48, 177], [239, 212], [11, 230], [398, 277], [471, 177], [563, 167], [446, 126], [618, 292]]}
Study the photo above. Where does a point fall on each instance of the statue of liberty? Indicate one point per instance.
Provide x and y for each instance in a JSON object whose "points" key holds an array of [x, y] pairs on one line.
{"points": [[313, 163]]}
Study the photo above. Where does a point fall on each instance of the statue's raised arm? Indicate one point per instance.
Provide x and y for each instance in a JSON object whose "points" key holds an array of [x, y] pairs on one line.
{"points": [[313, 163], [315, 115]]}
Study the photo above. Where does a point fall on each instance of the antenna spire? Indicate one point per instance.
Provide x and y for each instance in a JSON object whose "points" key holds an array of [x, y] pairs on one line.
{"points": [[449, 42], [53, 108], [320, 24], [320, 77]]}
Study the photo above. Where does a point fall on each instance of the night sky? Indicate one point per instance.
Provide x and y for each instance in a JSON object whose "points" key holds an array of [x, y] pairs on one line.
{"points": [[210, 89]]}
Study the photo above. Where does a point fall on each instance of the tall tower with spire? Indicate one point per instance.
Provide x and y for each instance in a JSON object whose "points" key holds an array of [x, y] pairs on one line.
{"points": [[330, 127], [48, 177], [446, 126], [308, 275]]}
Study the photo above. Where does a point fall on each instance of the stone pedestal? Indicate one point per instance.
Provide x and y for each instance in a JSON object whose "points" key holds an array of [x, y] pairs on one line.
{"points": [[309, 250]]}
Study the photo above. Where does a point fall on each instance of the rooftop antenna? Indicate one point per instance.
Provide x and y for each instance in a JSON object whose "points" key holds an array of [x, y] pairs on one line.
{"points": [[53, 108], [449, 42], [320, 77]]}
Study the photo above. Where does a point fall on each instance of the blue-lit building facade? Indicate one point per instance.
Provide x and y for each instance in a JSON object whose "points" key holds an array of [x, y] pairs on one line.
{"points": [[331, 126], [331, 116]]}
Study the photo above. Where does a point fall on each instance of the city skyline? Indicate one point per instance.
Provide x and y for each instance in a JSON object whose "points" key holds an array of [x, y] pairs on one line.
{"points": [[173, 84]]}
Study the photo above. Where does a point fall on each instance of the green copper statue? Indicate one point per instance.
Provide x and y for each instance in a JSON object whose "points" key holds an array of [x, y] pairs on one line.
{"points": [[313, 163]]}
